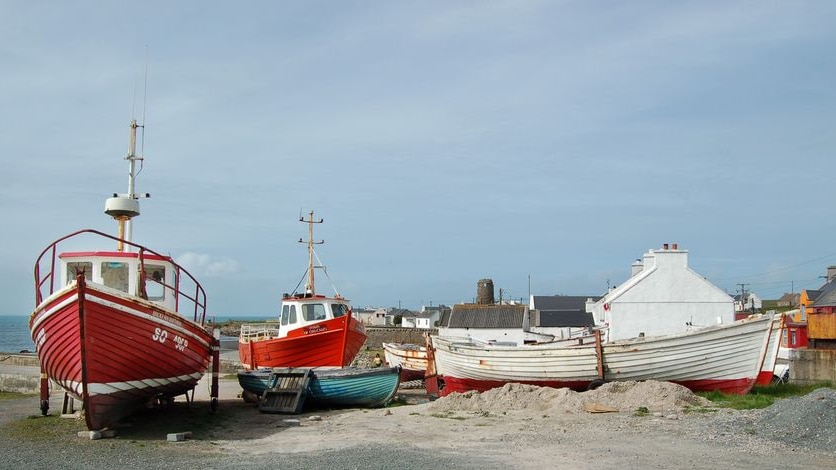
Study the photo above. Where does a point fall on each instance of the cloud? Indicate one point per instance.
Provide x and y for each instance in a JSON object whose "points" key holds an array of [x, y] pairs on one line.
{"points": [[207, 265]]}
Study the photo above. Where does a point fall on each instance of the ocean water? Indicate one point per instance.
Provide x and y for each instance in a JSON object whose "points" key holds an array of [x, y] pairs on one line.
{"points": [[14, 334], [14, 331]]}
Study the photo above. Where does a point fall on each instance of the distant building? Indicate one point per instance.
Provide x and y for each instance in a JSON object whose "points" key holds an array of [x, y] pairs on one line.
{"points": [[488, 322], [749, 302], [371, 317], [562, 316], [789, 300]]}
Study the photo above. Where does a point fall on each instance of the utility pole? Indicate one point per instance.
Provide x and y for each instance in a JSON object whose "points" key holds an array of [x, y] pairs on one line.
{"points": [[742, 296]]}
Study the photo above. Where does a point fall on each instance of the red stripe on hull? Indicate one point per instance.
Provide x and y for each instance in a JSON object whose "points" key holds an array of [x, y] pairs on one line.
{"points": [[134, 350], [765, 377], [728, 386], [324, 349]]}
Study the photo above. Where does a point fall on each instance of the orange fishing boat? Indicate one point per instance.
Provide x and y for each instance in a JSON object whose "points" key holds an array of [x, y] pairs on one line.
{"points": [[313, 330]]}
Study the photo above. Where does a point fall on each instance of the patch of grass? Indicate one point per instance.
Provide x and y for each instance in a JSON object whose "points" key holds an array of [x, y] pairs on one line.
{"points": [[448, 415], [397, 401], [37, 427], [698, 409], [642, 411], [762, 396], [4, 395]]}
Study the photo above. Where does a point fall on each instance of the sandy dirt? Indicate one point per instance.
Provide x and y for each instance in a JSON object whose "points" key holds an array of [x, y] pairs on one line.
{"points": [[641, 425]]}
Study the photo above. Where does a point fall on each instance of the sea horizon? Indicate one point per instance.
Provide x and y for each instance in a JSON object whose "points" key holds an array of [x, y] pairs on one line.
{"points": [[15, 337]]}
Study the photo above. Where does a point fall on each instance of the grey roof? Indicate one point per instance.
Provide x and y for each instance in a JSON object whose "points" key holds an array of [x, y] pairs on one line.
{"points": [[564, 319], [445, 317], [827, 296], [813, 294], [563, 302], [486, 316], [402, 312], [564, 310]]}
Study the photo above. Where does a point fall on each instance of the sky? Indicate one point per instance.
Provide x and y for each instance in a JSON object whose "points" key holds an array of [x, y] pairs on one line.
{"points": [[545, 145]]}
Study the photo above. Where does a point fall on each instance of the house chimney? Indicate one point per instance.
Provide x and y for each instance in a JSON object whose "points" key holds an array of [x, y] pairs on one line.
{"points": [[831, 273], [636, 267], [665, 246], [675, 246]]}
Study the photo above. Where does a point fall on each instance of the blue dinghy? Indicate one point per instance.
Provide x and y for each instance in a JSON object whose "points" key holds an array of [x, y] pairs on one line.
{"points": [[346, 387]]}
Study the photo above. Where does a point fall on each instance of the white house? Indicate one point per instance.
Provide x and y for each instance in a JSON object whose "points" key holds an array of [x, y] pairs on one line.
{"points": [[662, 296], [370, 317], [747, 303]]}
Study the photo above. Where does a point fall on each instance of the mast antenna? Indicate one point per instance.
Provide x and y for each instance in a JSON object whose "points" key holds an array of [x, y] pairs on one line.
{"points": [[310, 289], [124, 207]]}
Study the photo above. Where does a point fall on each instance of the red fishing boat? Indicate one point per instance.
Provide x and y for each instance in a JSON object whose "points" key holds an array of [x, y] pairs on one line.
{"points": [[313, 330], [119, 329]]}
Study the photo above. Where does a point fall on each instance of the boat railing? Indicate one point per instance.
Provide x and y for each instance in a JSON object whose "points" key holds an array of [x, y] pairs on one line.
{"points": [[259, 331], [189, 296]]}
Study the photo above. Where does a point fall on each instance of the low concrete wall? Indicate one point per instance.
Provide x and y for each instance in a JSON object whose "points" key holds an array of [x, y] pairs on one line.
{"points": [[812, 365], [30, 360], [19, 373]]}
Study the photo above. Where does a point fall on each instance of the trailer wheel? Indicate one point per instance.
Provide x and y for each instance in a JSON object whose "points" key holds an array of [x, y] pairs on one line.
{"points": [[595, 384]]}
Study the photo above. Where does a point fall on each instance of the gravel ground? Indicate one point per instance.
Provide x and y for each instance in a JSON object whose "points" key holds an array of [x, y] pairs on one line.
{"points": [[513, 427]]}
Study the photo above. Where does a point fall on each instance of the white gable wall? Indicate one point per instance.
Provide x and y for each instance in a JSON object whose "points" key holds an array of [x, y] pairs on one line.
{"points": [[516, 335], [662, 298]]}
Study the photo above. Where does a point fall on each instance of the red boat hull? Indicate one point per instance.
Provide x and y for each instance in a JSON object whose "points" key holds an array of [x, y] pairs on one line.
{"points": [[116, 353], [324, 344], [455, 384]]}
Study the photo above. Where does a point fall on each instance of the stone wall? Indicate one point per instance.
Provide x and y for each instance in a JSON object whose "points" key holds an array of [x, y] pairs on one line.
{"points": [[379, 335]]}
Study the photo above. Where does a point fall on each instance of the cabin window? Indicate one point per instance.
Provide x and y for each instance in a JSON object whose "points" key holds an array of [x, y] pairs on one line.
{"points": [[288, 314], [313, 312], [115, 275], [76, 266], [339, 310], [155, 281]]}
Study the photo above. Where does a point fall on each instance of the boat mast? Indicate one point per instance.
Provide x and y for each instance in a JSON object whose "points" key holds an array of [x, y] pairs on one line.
{"points": [[124, 207], [309, 288]]}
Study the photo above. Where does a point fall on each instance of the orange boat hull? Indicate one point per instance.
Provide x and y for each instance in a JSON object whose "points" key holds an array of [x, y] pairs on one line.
{"points": [[325, 344]]}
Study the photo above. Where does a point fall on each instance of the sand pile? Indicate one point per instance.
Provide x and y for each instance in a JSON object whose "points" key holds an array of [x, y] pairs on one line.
{"points": [[614, 396]]}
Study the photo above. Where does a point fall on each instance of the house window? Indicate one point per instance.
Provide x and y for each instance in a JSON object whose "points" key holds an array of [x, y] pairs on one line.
{"points": [[793, 338]]}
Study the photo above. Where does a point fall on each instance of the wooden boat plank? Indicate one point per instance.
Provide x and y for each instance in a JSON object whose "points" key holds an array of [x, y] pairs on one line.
{"points": [[287, 391]]}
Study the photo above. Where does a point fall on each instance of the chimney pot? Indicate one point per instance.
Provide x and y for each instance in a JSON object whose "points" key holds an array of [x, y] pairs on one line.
{"points": [[675, 246], [664, 246]]}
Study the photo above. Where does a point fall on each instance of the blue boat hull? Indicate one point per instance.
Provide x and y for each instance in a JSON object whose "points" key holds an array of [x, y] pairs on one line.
{"points": [[347, 387]]}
